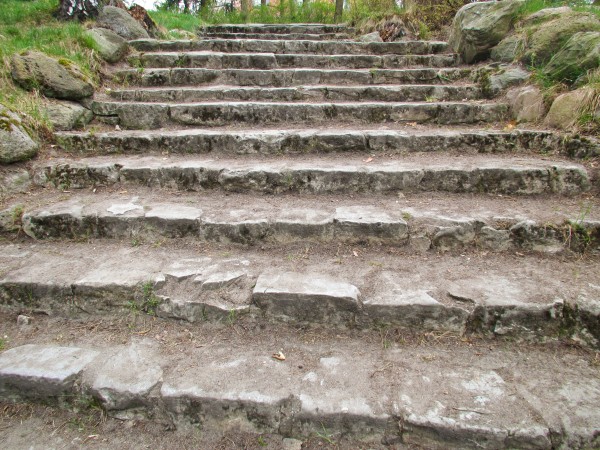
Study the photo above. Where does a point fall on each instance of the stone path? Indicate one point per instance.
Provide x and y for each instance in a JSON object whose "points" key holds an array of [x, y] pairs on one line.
{"points": [[365, 250]]}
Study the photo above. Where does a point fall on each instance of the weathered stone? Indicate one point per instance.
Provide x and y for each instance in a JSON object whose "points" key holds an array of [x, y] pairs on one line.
{"points": [[68, 115], [371, 37], [219, 280], [507, 77], [23, 320], [42, 372], [177, 33], [306, 297], [509, 49], [546, 39], [492, 239], [450, 238], [526, 104], [121, 22], [544, 15], [59, 79], [125, 379], [15, 145], [580, 54], [112, 47], [477, 27], [567, 108], [370, 224]]}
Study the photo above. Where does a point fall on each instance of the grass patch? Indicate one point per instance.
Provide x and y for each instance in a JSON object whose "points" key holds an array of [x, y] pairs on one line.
{"points": [[30, 25]]}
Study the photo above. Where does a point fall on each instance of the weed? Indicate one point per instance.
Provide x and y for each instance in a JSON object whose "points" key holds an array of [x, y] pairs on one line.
{"points": [[406, 215], [16, 214], [2, 344], [261, 441], [325, 435], [232, 317], [146, 300]]}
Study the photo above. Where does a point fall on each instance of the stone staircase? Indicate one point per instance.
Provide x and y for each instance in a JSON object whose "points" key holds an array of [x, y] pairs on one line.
{"points": [[329, 238]]}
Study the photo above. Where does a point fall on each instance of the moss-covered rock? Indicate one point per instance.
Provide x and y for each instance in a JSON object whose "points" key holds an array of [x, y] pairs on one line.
{"points": [[580, 54], [15, 143], [478, 27], [58, 79], [509, 49], [566, 108], [546, 38], [122, 23], [112, 47]]}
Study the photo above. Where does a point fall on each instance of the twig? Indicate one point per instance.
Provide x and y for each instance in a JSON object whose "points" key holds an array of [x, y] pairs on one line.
{"points": [[470, 410]]}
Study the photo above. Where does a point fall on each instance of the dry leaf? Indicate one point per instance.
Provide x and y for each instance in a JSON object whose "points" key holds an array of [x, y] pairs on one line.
{"points": [[412, 124], [355, 253], [368, 160], [278, 356]]}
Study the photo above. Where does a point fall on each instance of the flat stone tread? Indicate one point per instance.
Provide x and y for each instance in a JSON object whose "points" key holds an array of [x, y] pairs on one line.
{"points": [[495, 396], [339, 37], [435, 209], [476, 278], [346, 163]]}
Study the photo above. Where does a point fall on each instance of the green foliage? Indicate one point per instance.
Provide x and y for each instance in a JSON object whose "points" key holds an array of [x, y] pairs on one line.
{"points": [[172, 20], [533, 6], [146, 300], [30, 25]]}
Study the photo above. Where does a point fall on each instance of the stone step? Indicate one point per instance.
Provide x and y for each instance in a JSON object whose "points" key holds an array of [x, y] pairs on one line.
{"points": [[503, 296], [307, 28], [138, 115], [416, 223], [451, 395], [410, 173], [286, 77], [310, 141], [292, 46], [272, 36], [397, 93], [218, 60]]}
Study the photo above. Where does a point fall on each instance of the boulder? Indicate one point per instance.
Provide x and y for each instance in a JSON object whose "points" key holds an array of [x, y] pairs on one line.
{"points": [[121, 22], [526, 104], [566, 108], [507, 77], [509, 49], [548, 37], [66, 116], [58, 79], [371, 37], [544, 15], [478, 27], [15, 181], [580, 54], [79, 9], [15, 143], [112, 47]]}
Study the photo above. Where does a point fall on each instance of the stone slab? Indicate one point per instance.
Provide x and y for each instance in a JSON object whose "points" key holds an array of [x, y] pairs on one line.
{"points": [[42, 372]]}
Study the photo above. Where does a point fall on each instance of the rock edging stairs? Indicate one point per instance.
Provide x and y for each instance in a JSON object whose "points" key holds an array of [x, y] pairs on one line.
{"points": [[330, 185]]}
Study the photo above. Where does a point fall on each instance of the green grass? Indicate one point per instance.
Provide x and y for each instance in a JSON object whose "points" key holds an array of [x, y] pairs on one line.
{"points": [[533, 6], [30, 25]]}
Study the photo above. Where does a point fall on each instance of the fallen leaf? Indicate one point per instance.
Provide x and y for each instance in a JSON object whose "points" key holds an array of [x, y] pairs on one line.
{"points": [[368, 160], [278, 356], [355, 253], [412, 124]]}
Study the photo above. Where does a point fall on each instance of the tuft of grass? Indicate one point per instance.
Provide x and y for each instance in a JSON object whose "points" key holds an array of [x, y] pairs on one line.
{"points": [[30, 25]]}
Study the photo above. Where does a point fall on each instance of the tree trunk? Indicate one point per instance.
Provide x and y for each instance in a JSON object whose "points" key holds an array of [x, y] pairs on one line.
{"points": [[246, 7], [79, 9], [263, 3], [339, 9]]}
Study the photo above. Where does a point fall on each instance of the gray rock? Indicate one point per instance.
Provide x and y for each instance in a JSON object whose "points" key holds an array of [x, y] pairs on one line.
{"points": [[545, 15], [455, 237], [23, 320], [306, 297], [526, 104], [122, 23], [509, 49], [507, 77], [580, 54], [68, 115], [291, 444], [125, 380], [492, 239], [478, 27], [220, 280], [371, 37], [58, 79], [112, 47], [567, 108], [37, 371], [15, 143]]}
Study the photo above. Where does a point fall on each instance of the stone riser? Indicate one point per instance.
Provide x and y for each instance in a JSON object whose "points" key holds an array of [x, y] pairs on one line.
{"points": [[158, 115], [272, 36], [498, 178], [393, 403], [292, 47], [288, 61], [286, 77], [272, 142], [415, 312], [350, 225], [415, 93]]}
